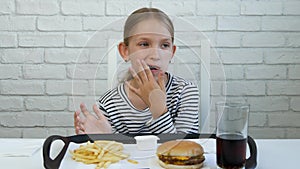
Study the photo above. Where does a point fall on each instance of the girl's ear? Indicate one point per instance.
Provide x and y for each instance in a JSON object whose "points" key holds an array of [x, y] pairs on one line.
{"points": [[123, 50], [174, 50]]}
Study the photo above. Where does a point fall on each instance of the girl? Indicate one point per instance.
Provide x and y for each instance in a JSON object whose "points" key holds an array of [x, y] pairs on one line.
{"points": [[151, 100]]}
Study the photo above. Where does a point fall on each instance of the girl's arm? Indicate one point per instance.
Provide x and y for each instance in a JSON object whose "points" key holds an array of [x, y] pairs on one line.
{"points": [[187, 120], [184, 118]]}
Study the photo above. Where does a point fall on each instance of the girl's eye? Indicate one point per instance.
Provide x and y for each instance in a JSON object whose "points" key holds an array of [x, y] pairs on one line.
{"points": [[165, 45], [143, 44]]}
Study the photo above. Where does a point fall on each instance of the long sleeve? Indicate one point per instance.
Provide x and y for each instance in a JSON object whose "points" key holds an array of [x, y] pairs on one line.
{"points": [[187, 120], [182, 116]]}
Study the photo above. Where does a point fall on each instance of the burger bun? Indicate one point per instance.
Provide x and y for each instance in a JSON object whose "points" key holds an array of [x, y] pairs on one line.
{"points": [[180, 154], [172, 166]]}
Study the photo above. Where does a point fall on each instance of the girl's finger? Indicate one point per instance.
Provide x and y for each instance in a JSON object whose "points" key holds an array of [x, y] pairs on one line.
{"points": [[134, 90], [132, 72], [161, 81], [141, 72], [78, 130], [135, 76], [147, 70], [81, 127], [76, 114], [84, 109], [81, 132], [79, 120]]}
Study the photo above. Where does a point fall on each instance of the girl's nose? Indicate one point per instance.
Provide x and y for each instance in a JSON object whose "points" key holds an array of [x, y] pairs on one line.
{"points": [[154, 54]]}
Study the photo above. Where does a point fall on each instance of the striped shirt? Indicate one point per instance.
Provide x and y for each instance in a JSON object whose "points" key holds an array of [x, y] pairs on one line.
{"points": [[181, 117]]}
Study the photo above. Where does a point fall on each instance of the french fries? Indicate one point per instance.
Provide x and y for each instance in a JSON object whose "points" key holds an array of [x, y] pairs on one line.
{"points": [[102, 153]]}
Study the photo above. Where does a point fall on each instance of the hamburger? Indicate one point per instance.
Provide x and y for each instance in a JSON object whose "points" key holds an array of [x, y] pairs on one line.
{"points": [[180, 154]]}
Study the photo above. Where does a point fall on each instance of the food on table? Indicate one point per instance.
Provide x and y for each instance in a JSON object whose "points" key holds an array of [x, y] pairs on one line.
{"points": [[180, 154], [102, 153]]}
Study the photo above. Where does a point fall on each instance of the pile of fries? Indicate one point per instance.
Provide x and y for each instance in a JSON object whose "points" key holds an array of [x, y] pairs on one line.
{"points": [[102, 153]]}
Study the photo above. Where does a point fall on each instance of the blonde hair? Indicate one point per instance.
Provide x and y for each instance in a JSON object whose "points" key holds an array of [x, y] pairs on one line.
{"points": [[143, 14]]}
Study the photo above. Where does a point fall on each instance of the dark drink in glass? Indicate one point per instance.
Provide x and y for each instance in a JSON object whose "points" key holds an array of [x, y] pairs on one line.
{"points": [[231, 151]]}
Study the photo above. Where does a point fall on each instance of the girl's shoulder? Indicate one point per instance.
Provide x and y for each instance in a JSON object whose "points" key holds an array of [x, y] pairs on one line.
{"points": [[109, 94], [178, 84], [178, 80]]}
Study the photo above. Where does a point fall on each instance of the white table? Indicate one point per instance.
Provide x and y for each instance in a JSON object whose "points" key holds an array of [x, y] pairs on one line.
{"points": [[272, 153], [279, 153]]}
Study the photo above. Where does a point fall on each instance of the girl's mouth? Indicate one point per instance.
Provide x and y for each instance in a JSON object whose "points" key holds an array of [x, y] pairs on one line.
{"points": [[154, 69]]}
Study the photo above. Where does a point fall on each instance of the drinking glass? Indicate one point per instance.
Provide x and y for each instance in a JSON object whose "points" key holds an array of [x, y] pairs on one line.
{"points": [[231, 134]]}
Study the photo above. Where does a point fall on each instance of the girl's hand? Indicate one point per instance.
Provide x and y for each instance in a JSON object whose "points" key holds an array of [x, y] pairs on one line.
{"points": [[77, 123], [150, 91], [91, 124]]}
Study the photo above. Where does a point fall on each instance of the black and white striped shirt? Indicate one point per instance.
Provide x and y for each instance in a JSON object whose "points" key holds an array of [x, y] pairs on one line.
{"points": [[181, 117]]}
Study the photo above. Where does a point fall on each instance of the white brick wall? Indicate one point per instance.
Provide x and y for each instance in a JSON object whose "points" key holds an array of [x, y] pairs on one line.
{"points": [[10, 71], [19, 23], [207, 7], [41, 39], [7, 6], [59, 23], [8, 40], [22, 87], [50, 103], [43, 71], [239, 23], [22, 55], [81, 7], [293, 72], [37, 7], [51, 58]]}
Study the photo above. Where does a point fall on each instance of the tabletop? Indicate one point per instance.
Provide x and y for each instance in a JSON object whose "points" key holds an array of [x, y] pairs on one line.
{"points": [[272, 153]]}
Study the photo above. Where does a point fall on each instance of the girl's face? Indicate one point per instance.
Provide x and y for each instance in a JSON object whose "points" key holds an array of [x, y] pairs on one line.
{"points": [[151, 42]]}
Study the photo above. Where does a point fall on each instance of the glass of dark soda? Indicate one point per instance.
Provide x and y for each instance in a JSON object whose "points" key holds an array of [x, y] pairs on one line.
{"points": [[231, 134]]}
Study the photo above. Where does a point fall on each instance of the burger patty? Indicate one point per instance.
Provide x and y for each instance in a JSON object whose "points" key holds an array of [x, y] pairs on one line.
{"points": [[182, 160]]}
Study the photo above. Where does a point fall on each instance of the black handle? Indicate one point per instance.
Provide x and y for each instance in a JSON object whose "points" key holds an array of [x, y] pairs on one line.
{"points": [[54, 163], [251, 161]]}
